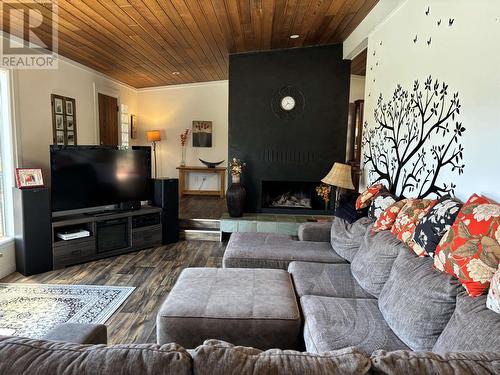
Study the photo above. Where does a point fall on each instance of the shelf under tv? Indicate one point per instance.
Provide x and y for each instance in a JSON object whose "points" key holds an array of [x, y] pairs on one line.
{"points": [[143, 230]]}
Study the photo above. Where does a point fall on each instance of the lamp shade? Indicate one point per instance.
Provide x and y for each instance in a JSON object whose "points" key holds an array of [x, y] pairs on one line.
{"points": [[340, 176], [153, 135]]}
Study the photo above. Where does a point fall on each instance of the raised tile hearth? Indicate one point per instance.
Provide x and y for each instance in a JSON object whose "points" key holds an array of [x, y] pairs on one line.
{"points": [[267, 223]]}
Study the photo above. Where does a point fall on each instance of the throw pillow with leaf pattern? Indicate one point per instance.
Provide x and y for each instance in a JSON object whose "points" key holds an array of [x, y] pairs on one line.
{"points": [[471, 248], [367, 196], [407, 220], [381, 202], [435, 224], [388, 217], [493, 300]]}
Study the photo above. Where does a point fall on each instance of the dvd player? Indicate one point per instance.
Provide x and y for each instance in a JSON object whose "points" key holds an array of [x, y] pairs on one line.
{"points": [[73, 234]]}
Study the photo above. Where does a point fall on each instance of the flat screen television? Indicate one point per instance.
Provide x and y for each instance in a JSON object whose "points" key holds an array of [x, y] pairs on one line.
{"points": [[84, 177]]}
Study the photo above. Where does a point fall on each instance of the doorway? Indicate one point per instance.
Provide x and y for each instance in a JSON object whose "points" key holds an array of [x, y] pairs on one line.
{"points": [[108, 120]]}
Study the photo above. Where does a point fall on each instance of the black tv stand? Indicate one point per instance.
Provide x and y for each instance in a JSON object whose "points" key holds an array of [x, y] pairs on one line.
{"points": [[140, 229]]}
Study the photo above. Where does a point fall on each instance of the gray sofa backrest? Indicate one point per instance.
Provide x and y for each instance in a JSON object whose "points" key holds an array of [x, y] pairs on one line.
{"points": [[346, 238], [20, 356], [219, 357], [472, 327], [372, 264], [425, 363], [417, 301]]}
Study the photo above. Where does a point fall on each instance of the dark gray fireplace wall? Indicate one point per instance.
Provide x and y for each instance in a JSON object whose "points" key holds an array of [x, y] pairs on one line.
{"points": [[300, 148]]}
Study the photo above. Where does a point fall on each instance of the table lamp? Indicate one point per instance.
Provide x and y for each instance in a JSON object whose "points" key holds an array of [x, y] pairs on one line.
{"points": [[339, 176], [153, 137]]}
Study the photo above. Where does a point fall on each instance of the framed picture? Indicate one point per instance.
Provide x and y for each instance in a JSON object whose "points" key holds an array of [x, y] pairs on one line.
{"points": [[58, 106], [70, 139], [133, 126], [29, 178], [60, 138], [63, 120], [202, 133], [69, 123], [69, 107], [59, 122]]}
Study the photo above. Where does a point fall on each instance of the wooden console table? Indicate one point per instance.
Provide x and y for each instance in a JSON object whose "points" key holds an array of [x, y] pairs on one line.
{"points": [[183, 172]]}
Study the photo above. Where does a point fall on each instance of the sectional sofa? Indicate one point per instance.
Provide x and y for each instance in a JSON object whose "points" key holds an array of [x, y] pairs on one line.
{"points": [[371, 306]]}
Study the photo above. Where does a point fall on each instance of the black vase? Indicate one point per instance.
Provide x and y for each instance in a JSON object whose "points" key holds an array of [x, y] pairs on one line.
{"points": [[235, 198]]}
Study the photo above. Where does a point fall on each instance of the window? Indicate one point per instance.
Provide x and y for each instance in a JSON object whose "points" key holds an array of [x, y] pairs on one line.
{"points": [[6, 157]]}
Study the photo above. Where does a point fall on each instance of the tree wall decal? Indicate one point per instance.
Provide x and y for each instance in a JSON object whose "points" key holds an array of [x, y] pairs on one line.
{"points": [[415, 137]]}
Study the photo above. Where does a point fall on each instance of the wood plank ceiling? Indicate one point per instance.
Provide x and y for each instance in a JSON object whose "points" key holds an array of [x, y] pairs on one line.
{"points": [[163, 42]]}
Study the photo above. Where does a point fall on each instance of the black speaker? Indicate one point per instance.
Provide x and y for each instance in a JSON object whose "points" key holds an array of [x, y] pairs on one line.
{"points": [[32, 227], [166, 196]]}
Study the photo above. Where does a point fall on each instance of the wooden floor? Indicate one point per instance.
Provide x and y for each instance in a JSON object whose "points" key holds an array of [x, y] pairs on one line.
{"points": [[202, 207], [153, 272]]}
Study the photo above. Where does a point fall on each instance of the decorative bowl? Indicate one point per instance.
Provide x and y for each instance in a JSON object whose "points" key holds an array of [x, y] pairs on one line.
{"points": [[210, 164]]}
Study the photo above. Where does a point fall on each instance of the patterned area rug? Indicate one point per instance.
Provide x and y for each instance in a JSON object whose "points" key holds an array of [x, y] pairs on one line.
{"points": [[31, 310]]}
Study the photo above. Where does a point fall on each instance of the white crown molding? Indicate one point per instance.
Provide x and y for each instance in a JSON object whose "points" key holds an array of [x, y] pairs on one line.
{"points": [[357, 41], [183, 86]]}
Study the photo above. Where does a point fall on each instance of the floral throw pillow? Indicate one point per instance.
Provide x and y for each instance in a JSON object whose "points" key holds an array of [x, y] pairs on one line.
{"points": [[407, 220], [434, 225], [382, 201], [366, 197], [493, 300], [471, 250], [388, 217]]}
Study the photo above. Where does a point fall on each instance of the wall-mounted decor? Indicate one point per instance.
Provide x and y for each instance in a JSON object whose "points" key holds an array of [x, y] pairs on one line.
{"points": [[202, 133], [29, 178], [63, 120], [133, 126], [288, 102], [124, 121], [416, 135]]}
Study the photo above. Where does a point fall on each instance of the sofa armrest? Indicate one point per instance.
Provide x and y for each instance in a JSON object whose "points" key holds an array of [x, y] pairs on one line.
{"points": [[79, 333], [315, 232]]}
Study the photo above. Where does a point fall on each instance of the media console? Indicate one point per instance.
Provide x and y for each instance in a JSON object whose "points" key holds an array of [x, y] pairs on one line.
{"points": [[110, 234]]}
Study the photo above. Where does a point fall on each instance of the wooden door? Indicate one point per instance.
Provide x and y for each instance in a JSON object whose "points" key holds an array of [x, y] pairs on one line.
{"points": [[108, 120]]}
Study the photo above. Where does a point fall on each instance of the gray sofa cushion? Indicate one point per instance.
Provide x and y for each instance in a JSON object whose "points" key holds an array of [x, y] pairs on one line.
{"points": [[270, 250], [417, 301], [219, 357], [346, 238], [472, 327], [328, 280], [372, 264], [336, 323], [19, 356], [79, 333], [315, 232], [422, 363], [252, 307]]}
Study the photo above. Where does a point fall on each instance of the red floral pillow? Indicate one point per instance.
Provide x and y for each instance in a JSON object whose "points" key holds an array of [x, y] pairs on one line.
{"points": [[407, 219], [366, 197], [388, 217], [471, 248]]}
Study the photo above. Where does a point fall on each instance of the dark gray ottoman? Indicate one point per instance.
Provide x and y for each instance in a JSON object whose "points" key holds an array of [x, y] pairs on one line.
{"points": [[249, 307]]}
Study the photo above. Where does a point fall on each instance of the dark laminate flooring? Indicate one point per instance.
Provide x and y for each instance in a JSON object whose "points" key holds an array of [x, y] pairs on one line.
{"points": [[153, 272]]}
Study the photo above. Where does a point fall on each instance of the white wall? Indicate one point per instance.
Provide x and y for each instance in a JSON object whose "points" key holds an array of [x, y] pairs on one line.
{"points": [[172, 110], [465, 56], [356, 92], [357, 88], [32, 89]]}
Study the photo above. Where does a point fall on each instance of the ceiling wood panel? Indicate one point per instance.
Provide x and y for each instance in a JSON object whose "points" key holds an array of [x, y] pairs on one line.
{"points": [[358, 64], [148, 43]]}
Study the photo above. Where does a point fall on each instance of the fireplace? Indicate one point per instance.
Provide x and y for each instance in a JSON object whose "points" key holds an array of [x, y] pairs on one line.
{"points": [[290, 196]]}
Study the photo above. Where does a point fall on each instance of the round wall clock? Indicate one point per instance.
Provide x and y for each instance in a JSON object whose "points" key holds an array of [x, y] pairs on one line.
{"points": [[287, 102]]}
